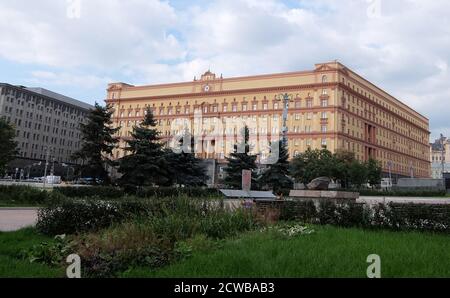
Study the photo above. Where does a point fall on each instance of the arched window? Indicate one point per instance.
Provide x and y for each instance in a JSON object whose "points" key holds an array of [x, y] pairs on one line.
{"points": [[324, 79]]}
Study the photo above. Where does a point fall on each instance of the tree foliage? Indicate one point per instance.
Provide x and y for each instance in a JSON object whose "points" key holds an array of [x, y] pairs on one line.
{"points": [[98, 143], [342, 166], [8, 146], [186, 168], [240, 160], [312, 164], [145, 164], [374, 171], [276, 176]]}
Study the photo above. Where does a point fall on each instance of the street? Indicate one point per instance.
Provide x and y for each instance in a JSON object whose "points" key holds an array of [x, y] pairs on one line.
{"points": [[13, 219]]}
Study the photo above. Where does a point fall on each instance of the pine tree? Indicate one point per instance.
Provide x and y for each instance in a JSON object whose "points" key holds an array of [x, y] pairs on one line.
{"points": [[276, 175], [98, 143], [186, 168], [240, 160], [145, 164], [8, 147]]}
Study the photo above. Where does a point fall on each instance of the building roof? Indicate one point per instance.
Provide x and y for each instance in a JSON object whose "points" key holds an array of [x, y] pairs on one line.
{"points": [[60, 97], [437, 145], [51, 95]]}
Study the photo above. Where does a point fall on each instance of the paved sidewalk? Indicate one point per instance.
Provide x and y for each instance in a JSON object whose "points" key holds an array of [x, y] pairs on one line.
{"points": [[13, 219]]}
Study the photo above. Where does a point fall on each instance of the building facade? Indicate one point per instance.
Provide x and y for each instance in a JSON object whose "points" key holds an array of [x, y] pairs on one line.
{"points": [[440, 158], [330, 106], [47, 127]]}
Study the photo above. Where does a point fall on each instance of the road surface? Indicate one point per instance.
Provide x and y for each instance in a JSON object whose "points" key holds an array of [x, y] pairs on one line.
{"points": [[13, 219]]}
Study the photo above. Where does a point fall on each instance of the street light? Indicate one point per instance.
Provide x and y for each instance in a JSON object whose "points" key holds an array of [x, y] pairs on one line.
{"points": [[286, 98], [390, 172], [68, 169], [442, 155], [46, 165]]}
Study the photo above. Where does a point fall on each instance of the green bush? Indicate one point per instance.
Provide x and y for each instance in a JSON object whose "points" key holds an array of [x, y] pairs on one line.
{"points": [[304, 211], [118, 248], [23, 195], [165, 192], [112, 236], [51, 253], [424, 217], [109, 192], [104, 192], [70, 216], [403, 193]]}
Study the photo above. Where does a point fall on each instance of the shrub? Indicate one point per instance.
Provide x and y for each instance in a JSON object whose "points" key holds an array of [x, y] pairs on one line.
{"points": [[50, 253], [155, 237], [416, 217], [403, 193], [165, 192], [23, 195], [104, 192], [221, 223], [304, 211], [397, 216], [70, 216], [118, 248]]}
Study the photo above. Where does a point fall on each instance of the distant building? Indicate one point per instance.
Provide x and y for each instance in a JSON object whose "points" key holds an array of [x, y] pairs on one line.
{"points": [[331, 107], [440, 157], [47, 127]]}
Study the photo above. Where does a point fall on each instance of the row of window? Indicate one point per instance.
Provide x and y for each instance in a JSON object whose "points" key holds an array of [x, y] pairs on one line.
{"points": [[215, 109]]}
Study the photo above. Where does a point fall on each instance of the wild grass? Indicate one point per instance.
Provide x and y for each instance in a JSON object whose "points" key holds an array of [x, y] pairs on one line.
{"points": [[12, 260], [329, 252]]}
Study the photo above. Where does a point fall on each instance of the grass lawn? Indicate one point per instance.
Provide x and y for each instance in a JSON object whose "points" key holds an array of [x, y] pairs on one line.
{"points": [[330, 252], [12, 264]]}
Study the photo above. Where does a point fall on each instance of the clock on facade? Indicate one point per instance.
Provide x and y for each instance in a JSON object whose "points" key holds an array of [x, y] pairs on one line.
{"points": [[206, 88]]}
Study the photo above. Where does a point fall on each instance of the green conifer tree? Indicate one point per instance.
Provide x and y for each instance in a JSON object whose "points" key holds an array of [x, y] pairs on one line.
{"points": [[240, 160], [98, 143], [145, 163]]}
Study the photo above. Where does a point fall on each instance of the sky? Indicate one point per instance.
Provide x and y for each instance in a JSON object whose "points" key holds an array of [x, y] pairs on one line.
{"points": [[77, 47]]}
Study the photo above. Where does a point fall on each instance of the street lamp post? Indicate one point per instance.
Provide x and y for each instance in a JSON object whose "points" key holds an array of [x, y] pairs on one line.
{"points": [[286, 98], [46, 166], [442, 155], [390, 172]]}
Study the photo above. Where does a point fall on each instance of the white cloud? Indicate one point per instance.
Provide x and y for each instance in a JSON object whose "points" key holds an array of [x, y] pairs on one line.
{"points": [[40, 77], [405, 49], [109, 33]]}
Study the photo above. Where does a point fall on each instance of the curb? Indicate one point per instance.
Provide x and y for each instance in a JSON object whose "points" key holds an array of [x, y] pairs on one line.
{"points": [[19, 208]]}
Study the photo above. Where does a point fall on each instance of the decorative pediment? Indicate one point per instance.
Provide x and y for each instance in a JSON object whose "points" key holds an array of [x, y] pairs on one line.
{"points": [[345, 71], [117, 86], [324, 67], [208, 76]]}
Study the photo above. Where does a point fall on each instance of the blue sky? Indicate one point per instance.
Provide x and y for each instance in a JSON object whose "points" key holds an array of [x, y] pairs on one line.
{"points": [[401, 45]]}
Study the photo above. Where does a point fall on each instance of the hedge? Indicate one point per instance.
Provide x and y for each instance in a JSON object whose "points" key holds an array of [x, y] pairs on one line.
{"points": [[403, 193], [23, 195], [109, 192], [72, 216], [104, 192], [395, 216]]}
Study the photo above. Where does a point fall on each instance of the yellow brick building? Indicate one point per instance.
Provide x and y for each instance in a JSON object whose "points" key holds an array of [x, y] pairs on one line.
{"points": [[331, 106]]}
